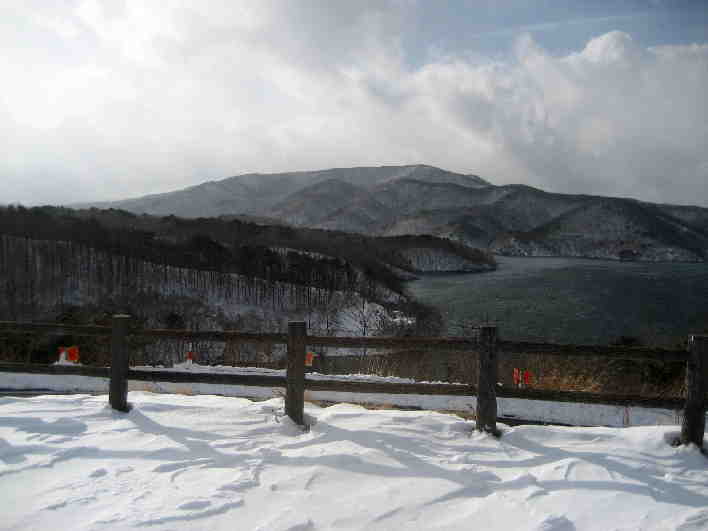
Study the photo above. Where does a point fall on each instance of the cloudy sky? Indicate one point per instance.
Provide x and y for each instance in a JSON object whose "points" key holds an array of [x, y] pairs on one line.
{"points": [[106, 99]]}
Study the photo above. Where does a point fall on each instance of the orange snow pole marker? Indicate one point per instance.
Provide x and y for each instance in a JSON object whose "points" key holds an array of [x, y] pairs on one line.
{"points": [[72, 354], [69, 354]]}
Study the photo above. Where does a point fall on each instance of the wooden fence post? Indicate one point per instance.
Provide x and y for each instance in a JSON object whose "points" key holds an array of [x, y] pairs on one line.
{"points": [[487, 380], [295, 375], [118, 390], [694, 415]]}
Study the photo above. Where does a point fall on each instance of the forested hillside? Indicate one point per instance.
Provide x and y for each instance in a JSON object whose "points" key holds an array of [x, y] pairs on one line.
{"points": [[319, 258], [213, 273]]}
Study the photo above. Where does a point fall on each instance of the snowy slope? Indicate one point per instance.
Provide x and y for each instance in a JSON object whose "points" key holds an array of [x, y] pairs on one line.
{"points": [[610, 228], [178, 463], [254, 193]]}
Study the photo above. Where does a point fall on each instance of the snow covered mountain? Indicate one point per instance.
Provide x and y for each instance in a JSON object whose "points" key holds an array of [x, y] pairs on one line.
{"points": [[404, 200], [257, 194]]}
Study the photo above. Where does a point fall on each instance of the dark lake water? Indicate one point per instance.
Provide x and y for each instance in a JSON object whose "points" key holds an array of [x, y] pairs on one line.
{"points": [[572, 300]]}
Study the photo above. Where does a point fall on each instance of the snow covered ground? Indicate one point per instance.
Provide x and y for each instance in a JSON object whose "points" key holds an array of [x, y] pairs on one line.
{"points": [[227, 369], [572, 413], [205, 462]]}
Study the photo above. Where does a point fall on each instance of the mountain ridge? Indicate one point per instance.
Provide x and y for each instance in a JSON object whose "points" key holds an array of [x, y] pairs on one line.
{"points": [[514, 219]]}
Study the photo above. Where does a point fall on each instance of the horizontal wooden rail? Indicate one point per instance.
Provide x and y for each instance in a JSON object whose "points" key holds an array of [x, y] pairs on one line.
{"points": [[79, 370], [614, 352], [451, 343], [255, 380], [54, 328], [437, 343], [95, 330], [551, 395], [350, 386], [409, 343], [389, 387], [211, 335]]}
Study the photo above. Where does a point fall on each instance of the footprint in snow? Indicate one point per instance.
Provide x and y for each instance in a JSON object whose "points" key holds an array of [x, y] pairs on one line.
{"points": [[199, 511], [555, 523], [695, 522], [123, 470], [247, 479], [240, 484], [111, 519], [270, 452], [55, 506], [84, 500], [287, 520], [98, 473], [172, 467], [194, 505]]}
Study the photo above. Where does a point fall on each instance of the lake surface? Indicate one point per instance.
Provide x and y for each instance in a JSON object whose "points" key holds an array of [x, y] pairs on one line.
{"points": [[572, 300]]}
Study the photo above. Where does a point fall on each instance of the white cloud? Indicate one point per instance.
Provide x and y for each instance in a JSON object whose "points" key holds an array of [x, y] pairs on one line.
{"points": [[107, 100]]}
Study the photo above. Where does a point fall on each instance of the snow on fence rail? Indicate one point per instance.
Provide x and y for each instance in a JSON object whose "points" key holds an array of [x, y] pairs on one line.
{"points": [[483, 340], [347, 386]]}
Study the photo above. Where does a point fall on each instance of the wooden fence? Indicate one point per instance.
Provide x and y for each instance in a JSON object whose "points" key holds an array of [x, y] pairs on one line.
{"points": [[484, 340]]}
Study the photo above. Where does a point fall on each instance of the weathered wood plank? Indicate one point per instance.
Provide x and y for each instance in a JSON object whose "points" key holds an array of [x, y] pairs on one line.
{"points": [[120, 361], [253, 380], [549, 395], [12, 327], [99, 372], [614, 352], [694, 415], [673, 403], [295, 390], [389, 388], [212, 335], [487, 381], [430, 343]]}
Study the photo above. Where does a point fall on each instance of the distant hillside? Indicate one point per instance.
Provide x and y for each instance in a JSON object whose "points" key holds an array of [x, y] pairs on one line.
{"points": [[610, 228], [84, 265], [256, 193], [409, 200], [325, 203], [313, 257]]}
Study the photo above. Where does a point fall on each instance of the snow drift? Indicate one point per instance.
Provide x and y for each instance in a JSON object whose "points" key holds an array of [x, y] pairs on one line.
{"points": [[206, 462]]}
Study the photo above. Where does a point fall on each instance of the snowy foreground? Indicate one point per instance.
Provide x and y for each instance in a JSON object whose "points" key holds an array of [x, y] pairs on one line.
{"points": [[207, 462]]}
